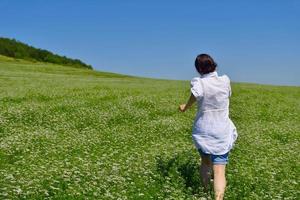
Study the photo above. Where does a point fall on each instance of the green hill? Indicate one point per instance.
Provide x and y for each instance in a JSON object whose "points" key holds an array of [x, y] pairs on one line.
{"points": [[69, 133], [16, 49]]}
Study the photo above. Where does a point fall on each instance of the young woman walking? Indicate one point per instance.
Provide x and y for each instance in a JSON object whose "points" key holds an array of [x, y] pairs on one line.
{"points": [[213, 132]]}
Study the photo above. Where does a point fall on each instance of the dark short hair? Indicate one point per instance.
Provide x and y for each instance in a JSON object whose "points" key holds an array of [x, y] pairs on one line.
{"points": [[205, 64]]}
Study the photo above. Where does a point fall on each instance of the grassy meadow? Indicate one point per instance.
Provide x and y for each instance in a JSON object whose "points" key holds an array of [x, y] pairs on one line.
{"points": [[68, 133]]}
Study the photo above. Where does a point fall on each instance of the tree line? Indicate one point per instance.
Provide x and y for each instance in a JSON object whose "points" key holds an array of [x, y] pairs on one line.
{"points": [[16, 49]]}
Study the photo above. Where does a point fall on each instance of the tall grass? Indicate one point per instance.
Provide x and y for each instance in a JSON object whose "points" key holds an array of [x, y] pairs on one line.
{"points": [[71, 133]]}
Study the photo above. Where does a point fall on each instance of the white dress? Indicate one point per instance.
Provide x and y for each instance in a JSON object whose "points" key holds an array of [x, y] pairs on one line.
{"points": [[213, 131]]}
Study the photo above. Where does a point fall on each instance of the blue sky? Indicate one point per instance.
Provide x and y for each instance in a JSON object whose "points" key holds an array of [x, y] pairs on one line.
{"points": [[252, 41]]}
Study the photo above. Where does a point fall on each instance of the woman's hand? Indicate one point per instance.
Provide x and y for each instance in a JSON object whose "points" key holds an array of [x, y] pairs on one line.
{"points": [[182, 107], [191, 101]]}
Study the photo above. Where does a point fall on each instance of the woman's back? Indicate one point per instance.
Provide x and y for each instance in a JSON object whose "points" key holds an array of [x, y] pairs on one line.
{"points": [[215, 92], [213, 131]]}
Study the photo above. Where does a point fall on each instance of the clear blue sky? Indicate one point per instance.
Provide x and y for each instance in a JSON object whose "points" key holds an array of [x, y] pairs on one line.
{"points": [[252, 41]]}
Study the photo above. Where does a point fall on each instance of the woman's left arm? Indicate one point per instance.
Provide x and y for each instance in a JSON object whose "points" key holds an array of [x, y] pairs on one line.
{"points": [[191, 101]]}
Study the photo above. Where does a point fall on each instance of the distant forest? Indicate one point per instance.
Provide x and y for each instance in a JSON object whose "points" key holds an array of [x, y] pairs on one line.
{"points": [[17, 49]]}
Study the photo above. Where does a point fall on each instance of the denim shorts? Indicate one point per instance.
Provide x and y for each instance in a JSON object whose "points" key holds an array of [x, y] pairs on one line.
{"points": [[216, 159]]}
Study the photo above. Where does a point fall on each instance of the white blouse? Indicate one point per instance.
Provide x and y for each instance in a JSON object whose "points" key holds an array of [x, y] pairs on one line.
{"points": [[213, 131]]}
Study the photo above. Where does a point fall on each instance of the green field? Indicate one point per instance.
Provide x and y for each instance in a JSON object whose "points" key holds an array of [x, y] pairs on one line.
{"points": [[68, 133]]}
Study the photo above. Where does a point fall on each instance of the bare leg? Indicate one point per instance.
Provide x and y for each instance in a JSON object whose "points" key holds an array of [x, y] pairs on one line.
{"points": [[205, 170], [219, 181]]}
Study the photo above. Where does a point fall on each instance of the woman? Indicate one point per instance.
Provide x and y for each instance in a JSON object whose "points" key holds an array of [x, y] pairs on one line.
{"points": [[213, 132]]}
